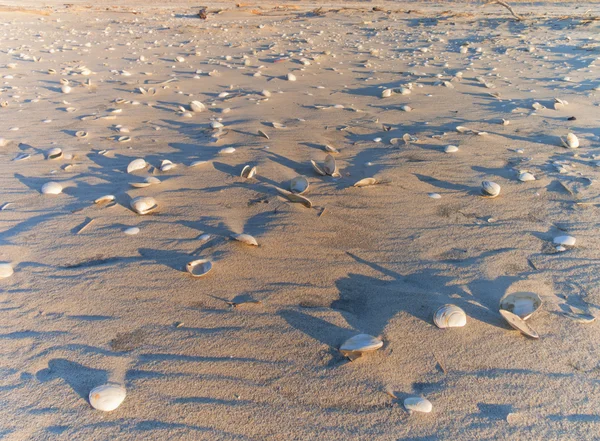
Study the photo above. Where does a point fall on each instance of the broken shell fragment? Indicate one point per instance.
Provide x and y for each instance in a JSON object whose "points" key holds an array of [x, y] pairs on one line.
{"points": [[359, 345], [199, 268], [490, 189], [299, 185], [418, 404], [517, 323], [143, 205], [245, 238], [450, 316], [568, 241], [248, 172], [136, 164], [571, 142], [54, 153], [523, 304], [107, 397], [52, 188]]}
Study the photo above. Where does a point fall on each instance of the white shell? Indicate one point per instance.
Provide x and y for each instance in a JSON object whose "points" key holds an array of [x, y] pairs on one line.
{"points": [[387, 93], [54, 153], [136, 164], [526, 177], [299, 184], [517, 323], [523, 304], [572, 142], [199, 268], [245, 238], [366, 182], [143, 204], [52, 188], [248, 172], [197, 106], [330, 149], [564, 240], [66, 88], [6, 270], [418, 404], [291, 77], [293, 197], [317, 168], [107, 397], [227, 150], [131, 231], [166, 165], [450, 316], [329, 166], [451, 149], [104, 199], [490, 189], [356, 346]]}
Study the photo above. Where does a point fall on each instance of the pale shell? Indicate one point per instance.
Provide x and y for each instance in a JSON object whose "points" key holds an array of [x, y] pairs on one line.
{"points": [[248, 172], [197, 106], [387, 93], [299, 185], [360, 344], [136, 164], [523, 304], [418, 404], [450, 316], [451, 149], [330, 149], [517, 323], [291, 77], [572, 142], [6, 270], [104, 199], [131, 231], [245, 238], [293, 197], [143, 204], [52, 188], [199, 268], [564, 240], [166, 165], [227, 150], [317, 168], [54, 153], [366, 182], [329, 165], [490, 189], [66, 88], [107, 397], [526, 177]]}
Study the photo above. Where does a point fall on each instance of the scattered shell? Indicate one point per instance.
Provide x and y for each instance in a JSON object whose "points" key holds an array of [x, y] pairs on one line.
{"points": [[330, 149], [105, 199], [572, 142], [299, 185], [490, 189], [136, 164], [6, 270], [317, 168], [245, 238], [227, 150], [248, 172], [517, 323], [166, 165], [293, 197], [107, 397], [199, 268], [451, 149], [526, 177], [568, 241], [197, 163], [291, 77], [387, 93], [418, 404], [434, 195], [132, 231], [197, 106], [263, 134], [450, 316], [81, 134], [360, 344], [66, 88], [124, 139], [143, 204], [52, 188], [366, 182], [523, 304], [54, 153]]}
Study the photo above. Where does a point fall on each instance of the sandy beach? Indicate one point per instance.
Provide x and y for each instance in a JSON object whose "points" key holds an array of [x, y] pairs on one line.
{"points": [[250, 351]]}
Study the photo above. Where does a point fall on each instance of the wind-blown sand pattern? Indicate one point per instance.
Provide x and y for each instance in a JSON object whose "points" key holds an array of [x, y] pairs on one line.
{"points": [[395, 226]]}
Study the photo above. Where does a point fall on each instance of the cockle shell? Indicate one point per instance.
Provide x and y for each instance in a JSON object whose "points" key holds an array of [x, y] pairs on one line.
{"points": [[107, 397], [523, 304], [245, 238], [571, 142], [450, 316], [143, 204], [248, 172], [360, 344], [136, 164], [299, 185], [54, 153], [199, 268], [52, 188], [197, 106], [490, 189], [366, 182], [6, 270], [519, 324], [418, 404], [565, 241]]}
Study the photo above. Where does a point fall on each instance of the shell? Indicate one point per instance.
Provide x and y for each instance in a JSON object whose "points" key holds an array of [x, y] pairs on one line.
{"points": [[451, 149], [248, 172], [564, 240], [197, 163], [299, 185], [52, 188], [490, 189], [166, 165], [450, 316], [330, 149], [131, 231], [199, 268], [245, 238], [418, 404], [572, 142], [360, 344], [107, 397], [523, 303], [329, 165], [263, 134], [526, 177], [293, 197], [291, 77], [227, 150], [81, 134], [317, 168], [6, 270], [386, 93], [143, 204], [366, 182], [104, 199], [137, 164], [66, 88], [197, 106], [54, 153], [517, 323]]}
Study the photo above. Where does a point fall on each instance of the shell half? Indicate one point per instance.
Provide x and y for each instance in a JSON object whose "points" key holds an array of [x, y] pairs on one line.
{"points": [[144, 205], [450, 316], [299, 185], [107, 397], [523, 303], [517, 323], [360, 344], [418, 404], [199, 268], [136, 164], [245, 238]]}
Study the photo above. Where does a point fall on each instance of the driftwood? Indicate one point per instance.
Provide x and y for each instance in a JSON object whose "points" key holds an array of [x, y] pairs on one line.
{"points": [[507, 6]]}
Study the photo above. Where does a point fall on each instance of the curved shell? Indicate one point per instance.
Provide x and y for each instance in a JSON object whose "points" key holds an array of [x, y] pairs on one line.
{"points": [[197, 106], [366, 182], [299, 185], [143, 204], [199, 268], [105, 199], [526, 177], [107, 397], [568, 241], [81, 134], [523, 303], [571, 142], [386, 93], [360, 344], [248, 172], [293, 197], [418, 404], [517, 323], [166, 165], [490, 189], [6, 270], [317, 168], [451, 149], [137, 164], [245, 238], [330, 149], [227, 150], [329, 165], [54, 153], [52, 188], [450, 316], [131, 231]]}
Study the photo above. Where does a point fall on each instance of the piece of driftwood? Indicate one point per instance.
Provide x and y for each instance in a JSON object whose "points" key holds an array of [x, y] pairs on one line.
{"points": [[507, 6]]}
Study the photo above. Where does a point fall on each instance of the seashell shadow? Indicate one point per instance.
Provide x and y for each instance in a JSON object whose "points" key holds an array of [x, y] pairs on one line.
{"points": [[80, 378]]}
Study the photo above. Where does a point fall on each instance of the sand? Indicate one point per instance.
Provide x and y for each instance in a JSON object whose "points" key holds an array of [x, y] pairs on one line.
{"points": [[86, 307]]}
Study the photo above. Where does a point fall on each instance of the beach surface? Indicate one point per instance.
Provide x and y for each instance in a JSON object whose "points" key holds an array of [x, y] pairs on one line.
{"points": [[250, 350]]}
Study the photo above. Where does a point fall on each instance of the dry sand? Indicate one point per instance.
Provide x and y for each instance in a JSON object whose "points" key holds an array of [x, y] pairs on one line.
{"points": [[85, 308]]}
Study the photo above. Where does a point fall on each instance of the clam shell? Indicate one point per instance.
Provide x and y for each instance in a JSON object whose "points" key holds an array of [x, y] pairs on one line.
{"points": [[564, 240], [54, 153], [517, 323], [366, 182], [418, 404], [52, 188], [360, 344], [293, 197], [227, 150], [197, 106], [526, 177], [451, 149], [143, 204], [317, 168], [490, 189], [199, 268], [197, 163], [571, 142], [386, 93], [131, 231], [136, 164], [291, 77], [66, 88], [107, 397], [299, 185], [330, 149], [6, 270], [105, 199], [450, 316], [248, 172], [81, 134], [523, 304], [166, 165], [245, 238], [329, 165]]}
